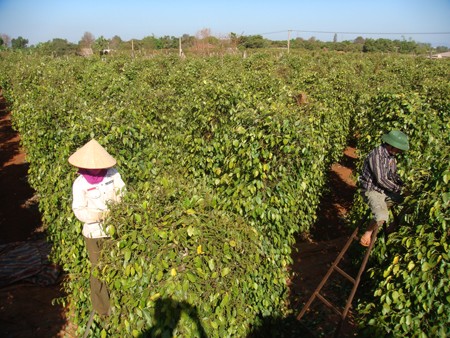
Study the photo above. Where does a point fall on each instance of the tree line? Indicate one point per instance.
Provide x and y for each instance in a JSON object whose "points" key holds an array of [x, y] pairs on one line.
{"points": [[205, 43]]}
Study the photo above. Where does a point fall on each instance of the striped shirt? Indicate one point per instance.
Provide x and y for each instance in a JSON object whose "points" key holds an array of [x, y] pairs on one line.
{"points": [[379, 172]]}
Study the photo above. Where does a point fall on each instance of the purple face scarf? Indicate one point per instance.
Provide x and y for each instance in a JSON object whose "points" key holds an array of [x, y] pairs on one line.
{"points": [[93, 176]]}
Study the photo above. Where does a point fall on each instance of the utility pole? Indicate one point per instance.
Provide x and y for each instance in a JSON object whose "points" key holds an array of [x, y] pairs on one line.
{"points": [[289, 40]]}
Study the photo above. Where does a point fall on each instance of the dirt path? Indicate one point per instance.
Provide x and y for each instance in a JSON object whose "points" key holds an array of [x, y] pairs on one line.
{"points": [[316, 254], [26, 310]]}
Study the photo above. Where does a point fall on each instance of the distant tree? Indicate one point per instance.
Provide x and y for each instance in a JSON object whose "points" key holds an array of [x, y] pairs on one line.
{"points": [[202, 43], [297, 43], [359, 40], [379, 45], [312, 44], [57, 47], [369, 46], [87, 40], [440, 49], [234, 40], [168, 42], [405, 46], [19, 43], [6, 40], [343, 46], [253, 41], [187, 40], [335, 38], [203, 34], [151, 43], [115, 42], [100, 43], [1, 42]]}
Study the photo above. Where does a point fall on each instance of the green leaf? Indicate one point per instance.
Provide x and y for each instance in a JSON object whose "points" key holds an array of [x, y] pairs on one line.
{"points": [[190, 231], [225, 271], [127, 255], [211, 264], [138, 218], [225, 300], [395, 296], [426, 266], [191, 277]]}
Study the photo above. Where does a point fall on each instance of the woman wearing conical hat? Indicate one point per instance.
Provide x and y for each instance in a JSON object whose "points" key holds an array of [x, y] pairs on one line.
{"points": [[97, 185]]}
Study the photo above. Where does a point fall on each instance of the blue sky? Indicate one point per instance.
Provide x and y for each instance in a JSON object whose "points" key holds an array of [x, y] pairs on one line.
{"points": [[43, 20]]}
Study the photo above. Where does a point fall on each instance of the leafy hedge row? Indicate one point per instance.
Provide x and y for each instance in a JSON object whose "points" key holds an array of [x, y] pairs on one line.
{"points": [[223, 167], [409, 293]]}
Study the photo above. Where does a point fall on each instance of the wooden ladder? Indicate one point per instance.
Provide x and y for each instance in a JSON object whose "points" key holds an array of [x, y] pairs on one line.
{"points": [[354, 281]]}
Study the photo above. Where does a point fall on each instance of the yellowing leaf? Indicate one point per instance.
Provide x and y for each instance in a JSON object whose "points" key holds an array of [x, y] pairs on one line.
{"points": [[190, 212], [155, 296], [173, 272], [199, 249], [240, 130]]}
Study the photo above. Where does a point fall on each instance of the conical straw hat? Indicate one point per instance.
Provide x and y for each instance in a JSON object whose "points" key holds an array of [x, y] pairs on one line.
{"points": [[92, 156]]}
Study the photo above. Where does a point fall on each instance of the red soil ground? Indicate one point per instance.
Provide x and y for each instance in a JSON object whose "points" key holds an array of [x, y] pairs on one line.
{"points": [[26, 310]]}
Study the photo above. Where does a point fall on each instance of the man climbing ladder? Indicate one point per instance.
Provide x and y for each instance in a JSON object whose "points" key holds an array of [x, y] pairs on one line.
{"points": [[380, 184], [381, 188]]}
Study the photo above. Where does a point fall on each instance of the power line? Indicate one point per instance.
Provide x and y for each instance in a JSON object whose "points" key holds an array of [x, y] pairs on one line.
{"points": [[362, 33], [278, 32], [372, 33]]}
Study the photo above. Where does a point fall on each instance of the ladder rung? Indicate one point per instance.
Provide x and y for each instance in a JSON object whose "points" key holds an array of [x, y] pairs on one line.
{"points": [[327, 275], [327, 303], [335, 267], [345, 274]]}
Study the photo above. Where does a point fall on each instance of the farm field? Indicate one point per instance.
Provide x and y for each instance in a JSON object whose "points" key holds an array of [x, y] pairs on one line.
{"points": [[28, 310], [231, 165]]}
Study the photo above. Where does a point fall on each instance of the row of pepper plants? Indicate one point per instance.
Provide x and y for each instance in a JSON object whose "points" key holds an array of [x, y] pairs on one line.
{"points": [[408, 290], [223, 168]]}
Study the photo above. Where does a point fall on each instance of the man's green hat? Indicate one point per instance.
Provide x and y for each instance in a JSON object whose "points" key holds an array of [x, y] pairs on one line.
{"points": [[397, 139]]}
